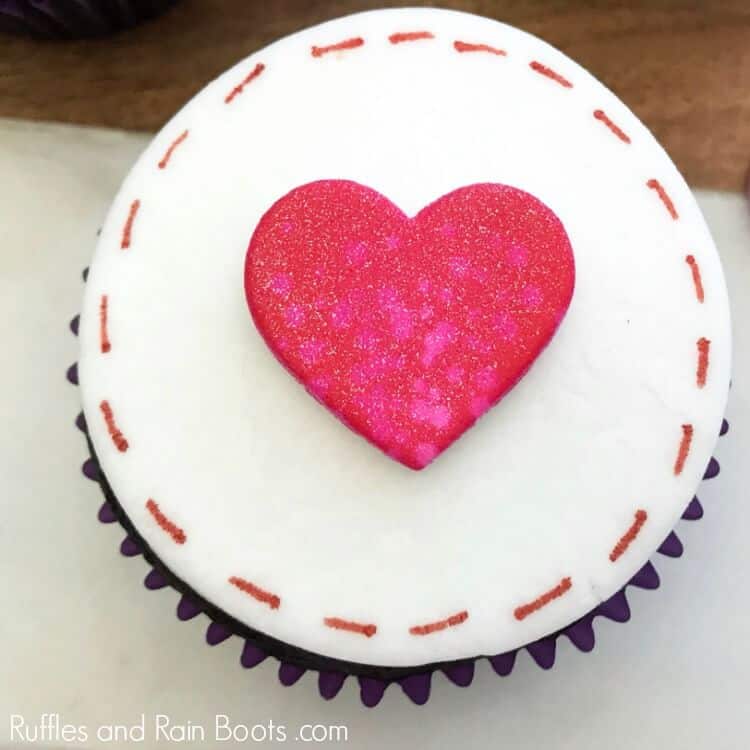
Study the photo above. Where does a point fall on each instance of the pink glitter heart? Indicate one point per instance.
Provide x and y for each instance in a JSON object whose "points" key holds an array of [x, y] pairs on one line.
{"points": [[408, 329]]}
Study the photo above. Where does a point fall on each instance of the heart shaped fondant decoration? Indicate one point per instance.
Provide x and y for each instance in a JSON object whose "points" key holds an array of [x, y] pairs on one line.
{"points": [[408, 329]]}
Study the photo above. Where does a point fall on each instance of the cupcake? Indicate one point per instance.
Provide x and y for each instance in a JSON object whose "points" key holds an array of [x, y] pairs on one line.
{"points": [[72, 19], [404, 344]]}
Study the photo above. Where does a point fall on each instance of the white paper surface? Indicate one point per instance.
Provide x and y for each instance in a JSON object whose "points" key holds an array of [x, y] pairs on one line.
{"points": [[81, 637]]}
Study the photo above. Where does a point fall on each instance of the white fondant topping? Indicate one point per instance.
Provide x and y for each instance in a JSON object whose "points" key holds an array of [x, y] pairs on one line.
{"points": [[267, 485]]}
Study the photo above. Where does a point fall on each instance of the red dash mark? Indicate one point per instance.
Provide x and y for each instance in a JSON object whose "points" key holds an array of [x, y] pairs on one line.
{"points": [[409, 36], [629, 536], [545, 71], [600, 115], [103, 335], [469, 47], [703, 345], [665, 199], [434, 627], [367, 630], [356, 41], [171, 528], [128, 228], [249, 78], [697, 281], [266, 597], [168, 155], [522, 612], [109, 419], [682, 453]]}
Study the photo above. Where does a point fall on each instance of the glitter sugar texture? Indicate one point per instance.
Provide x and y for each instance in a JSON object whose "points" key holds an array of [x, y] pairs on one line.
{"points": [[408, 329]]}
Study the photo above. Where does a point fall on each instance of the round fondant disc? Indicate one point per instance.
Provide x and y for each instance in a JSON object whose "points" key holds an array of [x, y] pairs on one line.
{"points": [[267, 505]]}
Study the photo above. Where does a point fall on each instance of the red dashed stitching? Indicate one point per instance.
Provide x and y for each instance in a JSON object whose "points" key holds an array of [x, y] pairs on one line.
{"points": [[104, 342], [249, 78], [434, 627], [551, 74], [600, 115], [697, 280], [409, 36], [353, 43], [522, 612], [171, 528], [460, 46], [128, 228], [109, 419], [168, 155], [366, 629], [261, 595], [684, 449], [704, 346], [664, 197], [629, 536]]}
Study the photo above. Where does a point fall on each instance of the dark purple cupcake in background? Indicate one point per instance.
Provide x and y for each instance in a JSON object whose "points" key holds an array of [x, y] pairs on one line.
{"points": [[75, 19]]}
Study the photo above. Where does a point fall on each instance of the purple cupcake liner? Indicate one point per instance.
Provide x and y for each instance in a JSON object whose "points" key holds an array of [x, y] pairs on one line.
{"points": [[74, 19], [332, 673]]}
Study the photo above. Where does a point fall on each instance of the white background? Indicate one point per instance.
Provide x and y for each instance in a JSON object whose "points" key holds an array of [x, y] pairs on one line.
{"points": [[81, 637]]}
